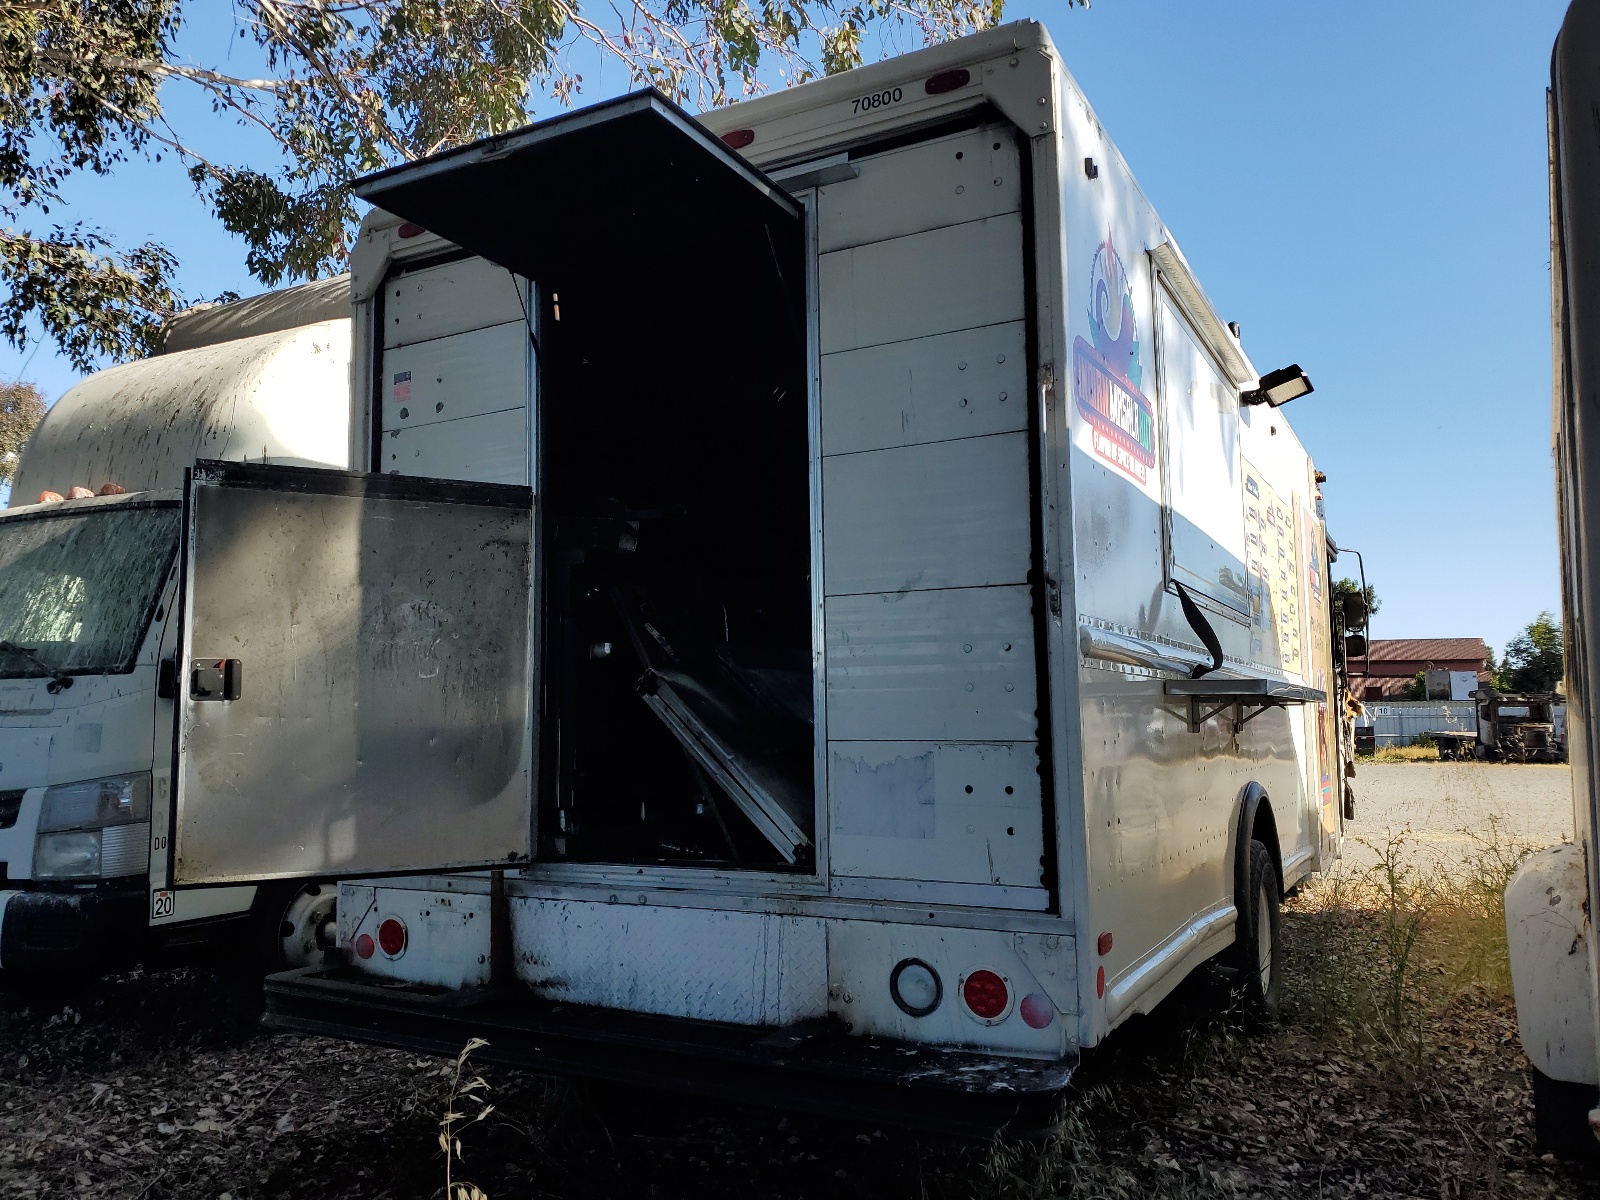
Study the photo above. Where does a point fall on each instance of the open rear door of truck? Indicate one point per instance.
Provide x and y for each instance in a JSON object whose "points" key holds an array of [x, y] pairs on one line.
{"points": [[354, 693]]}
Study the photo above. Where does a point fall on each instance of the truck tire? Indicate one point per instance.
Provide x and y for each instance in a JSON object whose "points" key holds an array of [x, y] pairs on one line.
{"points": [[1561, 1118], [1258, 942], [285, 923]]}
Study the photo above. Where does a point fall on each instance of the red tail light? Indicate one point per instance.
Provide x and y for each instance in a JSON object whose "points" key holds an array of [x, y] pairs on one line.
{"points": [[986, 995], [392, 937], [947, 81], [738, 139]]}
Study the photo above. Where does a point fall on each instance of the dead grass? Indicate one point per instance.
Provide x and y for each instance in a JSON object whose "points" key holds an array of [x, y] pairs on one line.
{"points": [[1402, 754]]}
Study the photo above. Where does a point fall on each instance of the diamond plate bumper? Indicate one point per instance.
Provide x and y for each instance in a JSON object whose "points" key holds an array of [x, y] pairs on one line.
{"points": [[811, 1066]]}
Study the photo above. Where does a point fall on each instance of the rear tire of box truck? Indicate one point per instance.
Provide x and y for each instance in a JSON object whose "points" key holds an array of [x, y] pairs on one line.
{"points": [[1257, 954]]}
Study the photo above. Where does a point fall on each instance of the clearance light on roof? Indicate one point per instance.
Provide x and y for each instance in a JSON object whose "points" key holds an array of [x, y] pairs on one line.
{"points": [[410, 230], [738, 139], [947, 81]]}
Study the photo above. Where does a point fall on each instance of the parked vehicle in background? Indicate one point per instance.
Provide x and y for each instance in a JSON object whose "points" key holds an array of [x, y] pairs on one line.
{"points": [[1550, 902], [89, 621], [1509, 727], [877, 660]]}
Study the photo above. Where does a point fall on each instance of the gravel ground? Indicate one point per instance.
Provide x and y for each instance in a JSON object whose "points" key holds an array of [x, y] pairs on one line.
{"points": [[159, 1086], [1451, 808]]}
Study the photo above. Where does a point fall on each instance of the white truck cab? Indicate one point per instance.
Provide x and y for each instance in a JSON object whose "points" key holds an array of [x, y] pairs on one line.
{"points": [[88, 612]]}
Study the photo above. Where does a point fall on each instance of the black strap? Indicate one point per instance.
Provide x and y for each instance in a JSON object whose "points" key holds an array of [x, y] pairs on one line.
{"points": [[1202, 627]]}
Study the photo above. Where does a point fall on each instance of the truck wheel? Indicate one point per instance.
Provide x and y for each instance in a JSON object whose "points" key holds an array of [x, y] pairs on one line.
{"points": [[290, 923], [302, 931], [1258, 945]]}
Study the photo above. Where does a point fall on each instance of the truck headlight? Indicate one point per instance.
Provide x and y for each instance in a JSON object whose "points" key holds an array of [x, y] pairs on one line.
{"points": [[79, 821], [96, 803], [73, 855]]}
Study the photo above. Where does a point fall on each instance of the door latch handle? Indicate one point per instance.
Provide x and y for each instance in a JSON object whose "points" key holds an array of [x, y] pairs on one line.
{"points": [[215, 679]]}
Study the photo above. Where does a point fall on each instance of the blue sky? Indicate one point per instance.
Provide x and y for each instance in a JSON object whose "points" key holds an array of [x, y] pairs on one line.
{"points": [[1362, 186]]}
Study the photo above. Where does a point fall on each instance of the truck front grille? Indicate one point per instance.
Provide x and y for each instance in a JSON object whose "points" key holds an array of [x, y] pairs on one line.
{"points": [[10, 806]]}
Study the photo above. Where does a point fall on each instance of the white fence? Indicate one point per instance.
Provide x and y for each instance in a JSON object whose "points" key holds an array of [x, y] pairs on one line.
{"points": [[1398, 722]]}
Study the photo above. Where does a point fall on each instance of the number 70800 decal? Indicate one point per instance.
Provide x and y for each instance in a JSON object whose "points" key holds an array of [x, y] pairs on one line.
{"points": [[877, 100]]}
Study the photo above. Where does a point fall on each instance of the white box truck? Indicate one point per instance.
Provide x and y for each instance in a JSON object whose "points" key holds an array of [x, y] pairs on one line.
{"points": [[1550, 901], [866, 628], [89, 619]]}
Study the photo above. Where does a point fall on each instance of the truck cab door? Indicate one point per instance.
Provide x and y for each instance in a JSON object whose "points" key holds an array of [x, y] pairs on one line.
{"points": [[354, 684]]}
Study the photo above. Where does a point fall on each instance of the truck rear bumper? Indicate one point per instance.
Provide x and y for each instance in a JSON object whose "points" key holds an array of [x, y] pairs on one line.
{"points": [[812, 1066], [54, 935]]}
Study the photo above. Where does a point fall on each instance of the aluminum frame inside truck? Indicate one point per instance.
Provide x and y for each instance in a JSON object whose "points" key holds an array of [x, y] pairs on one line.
{"points": [[866, 620]]}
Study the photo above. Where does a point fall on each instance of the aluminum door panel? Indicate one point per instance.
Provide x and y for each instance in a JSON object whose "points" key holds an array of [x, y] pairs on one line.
{"points": [[939, 666], [383, 722], [469, 293], [914, 518], [925, 810], [946, 182], [958, 277], [464, 375], [490, 449], [952, 385]]}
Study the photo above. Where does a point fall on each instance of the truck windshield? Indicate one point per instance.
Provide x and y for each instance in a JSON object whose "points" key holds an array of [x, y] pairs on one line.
{"points": [[77, 587]]}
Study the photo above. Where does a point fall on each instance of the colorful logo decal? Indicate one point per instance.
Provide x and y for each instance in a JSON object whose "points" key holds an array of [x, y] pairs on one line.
{"points": [[1107, 374]]}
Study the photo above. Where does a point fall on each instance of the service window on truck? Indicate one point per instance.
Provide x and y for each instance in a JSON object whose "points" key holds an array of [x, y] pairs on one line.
{"points": [[1200, 417]]}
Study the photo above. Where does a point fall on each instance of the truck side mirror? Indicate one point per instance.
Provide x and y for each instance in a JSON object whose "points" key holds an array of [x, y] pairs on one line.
{"points": [[1355, 645], [1355, 611]]}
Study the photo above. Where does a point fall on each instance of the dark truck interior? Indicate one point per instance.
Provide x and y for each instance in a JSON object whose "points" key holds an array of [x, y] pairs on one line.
{"points": [[675, 523]]}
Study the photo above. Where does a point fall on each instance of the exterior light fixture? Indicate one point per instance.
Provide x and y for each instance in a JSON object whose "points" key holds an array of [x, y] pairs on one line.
{"points": [[1277, 388]]}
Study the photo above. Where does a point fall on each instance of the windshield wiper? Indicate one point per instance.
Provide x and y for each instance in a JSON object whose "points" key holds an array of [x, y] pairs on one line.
{"points": [[59, 679]]}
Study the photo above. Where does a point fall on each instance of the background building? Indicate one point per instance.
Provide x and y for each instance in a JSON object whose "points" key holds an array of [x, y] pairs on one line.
{"points": [[1393, 663]]}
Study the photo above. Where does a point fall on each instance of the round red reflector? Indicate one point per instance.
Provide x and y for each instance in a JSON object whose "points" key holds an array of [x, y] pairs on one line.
{"points": [[947, 81], [410, 230], [738, 139], [365, 946], [986, 994], [1037, 1011], [392, 937]]}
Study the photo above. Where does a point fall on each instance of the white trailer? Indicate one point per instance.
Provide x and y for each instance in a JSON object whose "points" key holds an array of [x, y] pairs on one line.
{"points": [[89, 623], [867, 619]]}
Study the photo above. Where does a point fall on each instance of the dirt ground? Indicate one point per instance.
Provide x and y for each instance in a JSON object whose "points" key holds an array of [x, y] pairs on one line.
{"points": [[1386, 1077], [1444, 804]]}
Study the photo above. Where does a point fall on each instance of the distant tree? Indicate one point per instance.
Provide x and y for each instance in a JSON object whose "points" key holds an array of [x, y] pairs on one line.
{"points": [[347, 86], [21, 408], [1349, 587], [1533, 658], [1417, 689]]}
